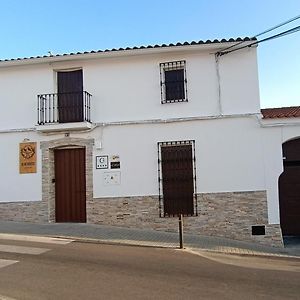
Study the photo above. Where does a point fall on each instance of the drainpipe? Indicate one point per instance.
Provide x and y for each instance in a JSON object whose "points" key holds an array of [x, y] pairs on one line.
{"points": [[217, 58]]}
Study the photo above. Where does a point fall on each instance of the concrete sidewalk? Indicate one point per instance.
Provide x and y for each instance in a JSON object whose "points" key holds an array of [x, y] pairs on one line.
{"points": [[138, 237]]}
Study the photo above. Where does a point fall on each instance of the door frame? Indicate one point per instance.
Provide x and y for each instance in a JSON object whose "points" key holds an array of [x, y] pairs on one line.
{"points": [[48, 171]]}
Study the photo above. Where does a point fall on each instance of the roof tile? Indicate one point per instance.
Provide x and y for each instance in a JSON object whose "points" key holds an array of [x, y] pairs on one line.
{"points": [[179, 44], [281, 112]]}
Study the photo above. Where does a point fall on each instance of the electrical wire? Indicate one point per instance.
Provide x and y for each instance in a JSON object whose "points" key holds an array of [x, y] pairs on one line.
{"points": [[265, 31], [277, 26], [287, 32]]}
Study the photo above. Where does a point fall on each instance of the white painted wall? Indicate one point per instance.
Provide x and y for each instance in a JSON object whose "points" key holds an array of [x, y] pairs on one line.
{"points": [[272, 139], [128, 88], [233, 154], [19, 88], [15, 186], [230, 161], [239, 82]]}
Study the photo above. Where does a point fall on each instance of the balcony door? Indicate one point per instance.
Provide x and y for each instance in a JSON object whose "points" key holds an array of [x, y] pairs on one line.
{"points": [[70, 96]]}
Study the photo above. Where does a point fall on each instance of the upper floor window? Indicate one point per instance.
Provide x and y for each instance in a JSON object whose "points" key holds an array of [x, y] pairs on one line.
{"points": [[173, 82]]}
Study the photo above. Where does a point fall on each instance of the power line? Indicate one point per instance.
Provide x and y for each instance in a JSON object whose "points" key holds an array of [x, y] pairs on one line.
{"points": [[266, 31], [277, 26], [287, 32]]}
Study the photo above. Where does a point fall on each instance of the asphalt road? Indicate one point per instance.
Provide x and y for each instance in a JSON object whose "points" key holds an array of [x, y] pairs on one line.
{"points": [[94, 271]]}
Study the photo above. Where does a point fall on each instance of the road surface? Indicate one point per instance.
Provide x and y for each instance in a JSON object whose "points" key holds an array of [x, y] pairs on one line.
{"points": [[59, 269]]}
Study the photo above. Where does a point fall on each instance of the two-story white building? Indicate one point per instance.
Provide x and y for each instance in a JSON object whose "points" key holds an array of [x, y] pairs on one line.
{"points": [[132, 137]]}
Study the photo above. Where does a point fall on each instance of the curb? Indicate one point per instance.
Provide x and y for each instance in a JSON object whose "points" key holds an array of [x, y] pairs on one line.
{"points": [[249, 254], [237, 251], [197, 251]]}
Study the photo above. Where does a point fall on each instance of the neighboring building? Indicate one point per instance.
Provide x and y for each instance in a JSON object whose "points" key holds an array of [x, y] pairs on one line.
{"points": [[129, 137]]}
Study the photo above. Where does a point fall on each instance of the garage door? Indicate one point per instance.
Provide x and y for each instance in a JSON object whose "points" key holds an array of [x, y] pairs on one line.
{"points": [[289, 189]]}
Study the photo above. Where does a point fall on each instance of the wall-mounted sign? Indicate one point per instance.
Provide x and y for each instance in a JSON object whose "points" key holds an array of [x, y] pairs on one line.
{"points": [[112, 178], [115, 162], [102, 162], [115, 158], [27, 157], [115, 165]]}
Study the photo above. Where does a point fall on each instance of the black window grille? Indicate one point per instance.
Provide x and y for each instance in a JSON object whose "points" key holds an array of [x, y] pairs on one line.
{"points": [[177, 178], [173, 82]]}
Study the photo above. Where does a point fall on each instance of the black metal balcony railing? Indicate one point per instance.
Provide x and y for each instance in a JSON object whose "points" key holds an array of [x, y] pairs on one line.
{"points": [[64, 107]]}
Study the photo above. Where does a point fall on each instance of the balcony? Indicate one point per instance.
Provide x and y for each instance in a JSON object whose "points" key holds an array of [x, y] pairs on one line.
{"points": [[64, 111]]}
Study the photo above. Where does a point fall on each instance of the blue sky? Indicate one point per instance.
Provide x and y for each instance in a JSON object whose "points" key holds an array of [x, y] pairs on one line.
{"points": [[30, 28]]}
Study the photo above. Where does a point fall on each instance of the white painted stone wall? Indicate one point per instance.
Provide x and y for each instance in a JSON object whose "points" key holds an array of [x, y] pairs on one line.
{"points": [[245, 157], [15, 186], [128, 88], [232, 154], [226, 162], [272, 139]]}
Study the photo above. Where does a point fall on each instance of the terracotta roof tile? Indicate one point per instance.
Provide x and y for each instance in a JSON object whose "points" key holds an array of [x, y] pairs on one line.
{"points": [[231, 40], [281, 112]]}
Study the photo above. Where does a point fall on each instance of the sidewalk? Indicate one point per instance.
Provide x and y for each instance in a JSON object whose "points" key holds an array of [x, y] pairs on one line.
{"points": [[138, 237]]}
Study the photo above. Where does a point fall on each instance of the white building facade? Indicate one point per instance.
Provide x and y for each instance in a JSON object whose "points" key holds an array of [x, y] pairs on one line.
{"points": [[132, 137]]}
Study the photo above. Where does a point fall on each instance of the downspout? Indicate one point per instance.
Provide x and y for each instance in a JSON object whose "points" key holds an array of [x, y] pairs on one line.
{"points": [[220, 108]]}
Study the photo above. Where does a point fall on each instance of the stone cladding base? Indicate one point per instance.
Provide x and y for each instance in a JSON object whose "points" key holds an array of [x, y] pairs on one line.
{"points": [[229, 215], [25, 211]]}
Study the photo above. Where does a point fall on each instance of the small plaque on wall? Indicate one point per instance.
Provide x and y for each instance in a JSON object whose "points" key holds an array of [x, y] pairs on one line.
{"points": [[115, 162], [102, 162], [27, 157], [115, 165], [112, 178]]}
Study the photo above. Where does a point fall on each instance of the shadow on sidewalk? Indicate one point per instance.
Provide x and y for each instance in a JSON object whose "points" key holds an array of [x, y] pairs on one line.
{"points": [[292, 242]]}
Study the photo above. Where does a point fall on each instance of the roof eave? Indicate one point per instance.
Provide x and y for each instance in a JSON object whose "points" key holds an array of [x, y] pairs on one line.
{"points": [[214, 47]]}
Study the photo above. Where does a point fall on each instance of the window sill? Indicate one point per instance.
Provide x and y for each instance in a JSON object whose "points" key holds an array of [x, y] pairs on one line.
{"points": [[174, 101]]}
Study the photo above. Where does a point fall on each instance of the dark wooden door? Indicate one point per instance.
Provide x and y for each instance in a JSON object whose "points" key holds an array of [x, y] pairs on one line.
{"points": [[177, 180], [70, 185], [289, 189], [70, 96]]}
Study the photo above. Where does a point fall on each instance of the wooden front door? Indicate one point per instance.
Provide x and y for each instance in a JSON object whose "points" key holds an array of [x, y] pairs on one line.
{"points": [[70, 185], [177, 180], [289, 189], [70, 96]]}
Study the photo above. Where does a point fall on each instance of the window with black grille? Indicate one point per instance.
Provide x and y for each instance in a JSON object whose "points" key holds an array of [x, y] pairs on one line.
{"points": [[177, 178], [173, 82]]}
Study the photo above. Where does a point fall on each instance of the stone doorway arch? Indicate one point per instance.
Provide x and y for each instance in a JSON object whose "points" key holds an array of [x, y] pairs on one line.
{"points": [[48, 186]]}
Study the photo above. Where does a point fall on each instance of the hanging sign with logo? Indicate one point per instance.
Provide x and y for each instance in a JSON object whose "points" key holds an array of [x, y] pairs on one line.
{"points": [[27, 157]]}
